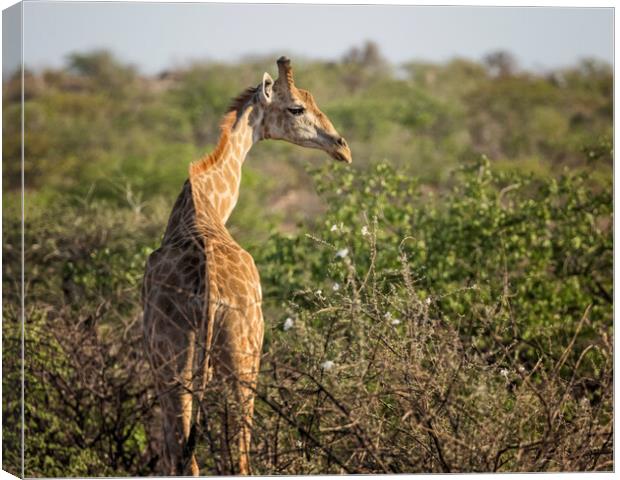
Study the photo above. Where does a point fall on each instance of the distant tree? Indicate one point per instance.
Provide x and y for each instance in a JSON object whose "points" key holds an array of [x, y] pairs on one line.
{"points": [[352, 55], [101, 67], [592, 67], [362, 63], [369, 56], [501, 63]]}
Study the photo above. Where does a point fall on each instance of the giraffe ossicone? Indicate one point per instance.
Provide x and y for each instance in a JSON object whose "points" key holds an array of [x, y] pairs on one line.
{"points": [[201, 294]]}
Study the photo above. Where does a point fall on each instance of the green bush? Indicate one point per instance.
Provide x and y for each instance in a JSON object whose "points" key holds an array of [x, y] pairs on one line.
{"points": [[459, 330], [465, 331], [537, 252]]}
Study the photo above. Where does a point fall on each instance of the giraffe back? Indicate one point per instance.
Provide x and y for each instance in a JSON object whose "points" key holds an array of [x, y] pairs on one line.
{"points": [[175, 285]]}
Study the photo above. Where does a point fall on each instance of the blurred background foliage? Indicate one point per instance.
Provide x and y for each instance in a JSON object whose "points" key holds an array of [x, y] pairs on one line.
{"points": [[98, 125], [493, 183]]}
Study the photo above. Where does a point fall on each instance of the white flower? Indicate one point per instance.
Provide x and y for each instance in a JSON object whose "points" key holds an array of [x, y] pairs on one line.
{"points": [[504, 373], [428, 301], [393, 321], [336, 287], [288, 324], [327, 365], [318, 293], [342, 253], [334, 228], [365, 231]]}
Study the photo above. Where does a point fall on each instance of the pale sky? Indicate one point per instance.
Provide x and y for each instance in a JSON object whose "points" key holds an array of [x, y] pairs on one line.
{"points": [[157, 36]]}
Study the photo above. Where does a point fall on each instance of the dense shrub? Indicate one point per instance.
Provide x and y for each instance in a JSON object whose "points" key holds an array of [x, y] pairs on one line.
{"points": [[410, 331], [89, 402], [469, 331], [539, 251]]}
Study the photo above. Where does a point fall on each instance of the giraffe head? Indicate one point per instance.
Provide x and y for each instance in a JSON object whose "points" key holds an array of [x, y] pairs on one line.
{"points": [[290, 113]]}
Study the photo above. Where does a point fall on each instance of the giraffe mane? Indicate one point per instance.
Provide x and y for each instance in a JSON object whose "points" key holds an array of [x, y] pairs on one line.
{"points": [[237, 103], [199, 166], [232, 113]]}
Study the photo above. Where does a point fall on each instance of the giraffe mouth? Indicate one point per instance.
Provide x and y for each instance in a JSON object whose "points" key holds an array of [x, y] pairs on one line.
{"points": [[342, 156]]}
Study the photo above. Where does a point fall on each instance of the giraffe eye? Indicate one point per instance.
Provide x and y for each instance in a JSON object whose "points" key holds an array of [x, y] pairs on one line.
{"points": [[297, 110]]}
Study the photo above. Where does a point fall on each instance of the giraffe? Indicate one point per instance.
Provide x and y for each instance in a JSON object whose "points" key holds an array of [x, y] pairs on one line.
{"points": [[201, 293]]}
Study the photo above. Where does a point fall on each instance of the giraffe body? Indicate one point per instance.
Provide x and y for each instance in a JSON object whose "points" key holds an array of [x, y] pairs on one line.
{"points": [[203, 323]]}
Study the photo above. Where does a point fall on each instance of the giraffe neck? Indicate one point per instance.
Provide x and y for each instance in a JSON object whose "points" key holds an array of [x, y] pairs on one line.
{"points": [[216, 177]]}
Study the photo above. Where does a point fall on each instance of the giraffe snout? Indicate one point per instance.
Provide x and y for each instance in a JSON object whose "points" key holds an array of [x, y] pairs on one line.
{"points": [[342, 152]]}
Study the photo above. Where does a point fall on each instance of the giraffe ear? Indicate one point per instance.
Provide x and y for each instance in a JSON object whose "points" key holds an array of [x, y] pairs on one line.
{"points": [[266, 89]]}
